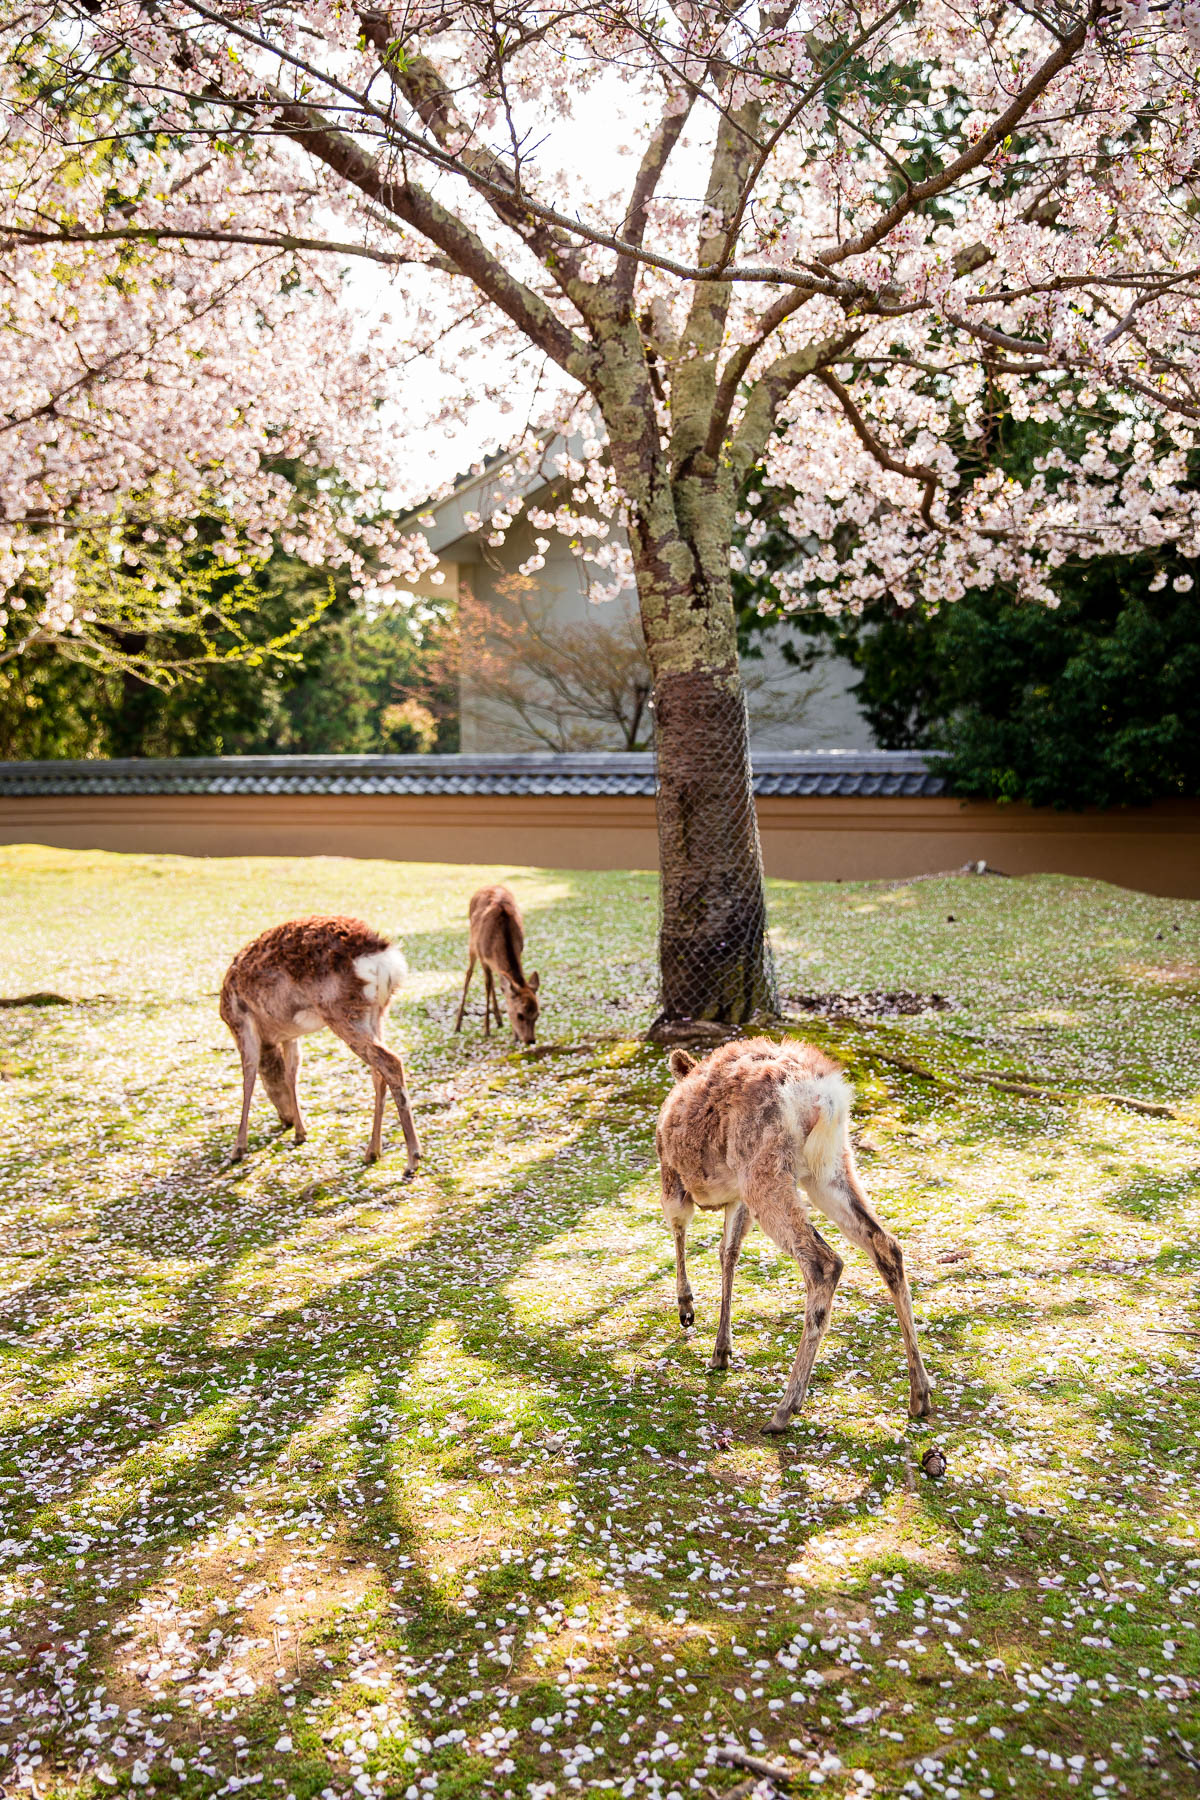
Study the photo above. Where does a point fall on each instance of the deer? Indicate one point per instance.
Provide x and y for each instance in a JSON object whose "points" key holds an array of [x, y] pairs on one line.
{"points": [[497, 940], [309, 975], [741, 1132]]}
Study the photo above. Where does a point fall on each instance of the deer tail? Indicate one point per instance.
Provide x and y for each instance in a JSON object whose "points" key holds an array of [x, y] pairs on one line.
{"points": [[826, 1138]]}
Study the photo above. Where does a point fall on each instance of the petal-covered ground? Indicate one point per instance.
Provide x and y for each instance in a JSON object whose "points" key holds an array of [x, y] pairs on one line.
{"points": [[318, 1484]]}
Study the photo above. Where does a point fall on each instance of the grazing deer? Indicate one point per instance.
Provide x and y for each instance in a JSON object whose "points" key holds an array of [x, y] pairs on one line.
{"points": [[305, 976], [739, 1131], [497, 940]]}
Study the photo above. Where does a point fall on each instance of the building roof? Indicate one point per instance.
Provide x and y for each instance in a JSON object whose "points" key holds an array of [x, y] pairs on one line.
{"points": [[867, 774], [446, 515]]}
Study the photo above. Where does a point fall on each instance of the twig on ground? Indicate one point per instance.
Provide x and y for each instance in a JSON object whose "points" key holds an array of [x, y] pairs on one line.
{"points": [[951, 1746], [1192, 1760], [45, 998], [734, 1757]]}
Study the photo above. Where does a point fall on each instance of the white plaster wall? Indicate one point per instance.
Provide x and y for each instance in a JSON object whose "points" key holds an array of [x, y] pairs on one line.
{"points": [[790, 709], [803, 709]]}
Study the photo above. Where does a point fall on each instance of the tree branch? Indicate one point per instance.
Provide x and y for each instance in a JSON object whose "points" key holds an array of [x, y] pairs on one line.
{"points": [[772, 389], [637, 214], [790, 117], [153, 234], [914, 471], [810, 280], [421, 83], [462, 246], [1068, 49], [739, 362]]}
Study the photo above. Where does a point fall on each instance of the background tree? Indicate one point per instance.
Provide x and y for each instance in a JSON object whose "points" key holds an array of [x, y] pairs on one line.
{"points": [[550, 684], [308, 668], [1093, 702], [554, 685], [840, 240]]}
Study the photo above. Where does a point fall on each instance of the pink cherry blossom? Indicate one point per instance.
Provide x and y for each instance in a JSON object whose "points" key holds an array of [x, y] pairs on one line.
{"points": [[1040, 260]]}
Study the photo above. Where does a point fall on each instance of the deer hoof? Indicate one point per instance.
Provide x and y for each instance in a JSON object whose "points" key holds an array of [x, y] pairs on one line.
{"points": [[687, 1315], [719, 1363], [372, 1156], [778, 1422], [238, 1156], [409, 1173], [920, 1405], [299, 1138]]}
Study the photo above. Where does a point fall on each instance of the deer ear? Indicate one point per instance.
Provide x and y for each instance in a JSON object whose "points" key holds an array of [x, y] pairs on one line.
{"points": [[681, 1063], [535, 981]]}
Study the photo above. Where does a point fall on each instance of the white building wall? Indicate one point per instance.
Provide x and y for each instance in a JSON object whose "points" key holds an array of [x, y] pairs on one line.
{"points": [[790, 708]]}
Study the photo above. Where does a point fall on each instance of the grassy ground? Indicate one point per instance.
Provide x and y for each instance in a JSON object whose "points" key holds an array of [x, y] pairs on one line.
{"points": [[315, 1484]]}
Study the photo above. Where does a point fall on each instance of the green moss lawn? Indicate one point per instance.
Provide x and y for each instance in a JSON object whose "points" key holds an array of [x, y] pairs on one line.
{"points": [[315, 1484]]}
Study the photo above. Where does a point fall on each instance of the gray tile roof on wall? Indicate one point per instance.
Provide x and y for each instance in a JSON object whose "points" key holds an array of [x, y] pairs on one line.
{"points": [[868, 774]]}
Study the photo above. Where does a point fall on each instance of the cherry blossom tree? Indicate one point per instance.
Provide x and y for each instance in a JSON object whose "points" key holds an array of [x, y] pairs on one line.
{"points": [[171, 409], [847, 243]]}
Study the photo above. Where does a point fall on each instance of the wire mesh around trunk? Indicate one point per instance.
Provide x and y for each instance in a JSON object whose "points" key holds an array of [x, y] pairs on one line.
{"points": [[714, 954]]}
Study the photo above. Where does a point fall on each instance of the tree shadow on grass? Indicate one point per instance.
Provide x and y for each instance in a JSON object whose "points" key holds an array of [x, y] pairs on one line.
{"points": [[467, 1255]]}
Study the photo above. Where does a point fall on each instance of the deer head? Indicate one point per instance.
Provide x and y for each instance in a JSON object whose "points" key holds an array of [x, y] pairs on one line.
{"points": [[522, 1004]]}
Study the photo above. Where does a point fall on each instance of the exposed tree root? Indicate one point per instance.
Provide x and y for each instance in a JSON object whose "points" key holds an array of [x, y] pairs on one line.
{"points": [[1155, 1109]]}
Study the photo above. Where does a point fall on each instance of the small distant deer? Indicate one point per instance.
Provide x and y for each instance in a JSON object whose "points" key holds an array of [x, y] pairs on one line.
{"points": [[311, 975], [497, 940], [739, 1131]]}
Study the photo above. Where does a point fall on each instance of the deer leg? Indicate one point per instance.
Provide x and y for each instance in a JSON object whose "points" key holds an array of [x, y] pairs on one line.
{"points": [[272, 1070], [843, 1200], [466, 984], [278, 1065], [678, 1207], [496, 1005], [291, 1066], [367, 1043], [489, 994], [249, 1048], [821, 1267], [769, 1189], [375, 1147], [733, 1231]]}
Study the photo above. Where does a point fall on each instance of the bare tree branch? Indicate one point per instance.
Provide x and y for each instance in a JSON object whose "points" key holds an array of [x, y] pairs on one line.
{"points": [[154, 234]]}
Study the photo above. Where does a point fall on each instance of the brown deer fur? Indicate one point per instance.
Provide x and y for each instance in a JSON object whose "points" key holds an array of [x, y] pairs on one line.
{"points": [[497, 940], [310, 975], [739, 1131]]}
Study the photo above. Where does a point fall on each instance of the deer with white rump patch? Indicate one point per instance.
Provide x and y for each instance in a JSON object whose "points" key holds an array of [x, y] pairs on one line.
{"points": [[741, 1131], [312, 975], [497, 941]]}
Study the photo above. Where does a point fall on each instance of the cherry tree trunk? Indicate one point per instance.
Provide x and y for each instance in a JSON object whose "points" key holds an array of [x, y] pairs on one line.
{"points": [[714, 957]]}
